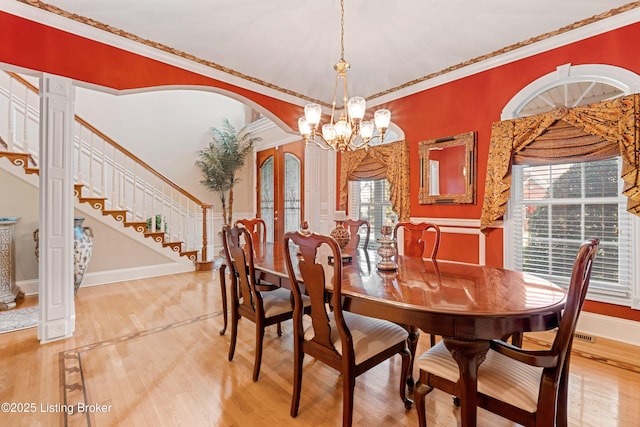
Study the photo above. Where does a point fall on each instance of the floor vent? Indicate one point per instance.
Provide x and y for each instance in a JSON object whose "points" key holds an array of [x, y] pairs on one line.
{"points": [[584, 337]]}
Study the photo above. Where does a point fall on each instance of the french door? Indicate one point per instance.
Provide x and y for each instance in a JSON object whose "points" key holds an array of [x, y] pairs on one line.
{"points": [[280, 183]]}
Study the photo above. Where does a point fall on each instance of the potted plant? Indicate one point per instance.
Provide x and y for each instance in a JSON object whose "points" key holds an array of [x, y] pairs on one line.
{"points": [[221, 160]]}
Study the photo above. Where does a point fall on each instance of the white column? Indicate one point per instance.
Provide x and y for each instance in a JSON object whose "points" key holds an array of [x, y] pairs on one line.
{"points": [[57, 310]]}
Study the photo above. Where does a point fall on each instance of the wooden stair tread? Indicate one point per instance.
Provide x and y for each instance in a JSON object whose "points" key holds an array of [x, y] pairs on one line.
{"points": [[26, 159], [158, 236], [89, 199], [118, 215], [192, 255], [95, 202], [171, 243], [13, 154], [135, 224]]}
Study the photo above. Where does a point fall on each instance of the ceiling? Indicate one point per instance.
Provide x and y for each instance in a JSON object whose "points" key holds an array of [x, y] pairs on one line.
{"points": [[287, 48]]}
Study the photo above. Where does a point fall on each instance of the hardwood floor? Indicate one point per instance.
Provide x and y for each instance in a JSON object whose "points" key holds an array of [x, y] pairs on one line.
{"points": [[149, 353]]}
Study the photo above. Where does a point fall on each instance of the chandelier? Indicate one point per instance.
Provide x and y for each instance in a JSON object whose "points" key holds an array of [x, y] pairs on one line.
{"points": [[349, 131]]}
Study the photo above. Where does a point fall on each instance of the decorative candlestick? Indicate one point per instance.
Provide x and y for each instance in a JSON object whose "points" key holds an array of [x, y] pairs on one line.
{"points": [[387, 249]]}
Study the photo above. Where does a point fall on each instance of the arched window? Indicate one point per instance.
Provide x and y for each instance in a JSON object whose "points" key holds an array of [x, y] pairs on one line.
{"points": [[554, 207]]}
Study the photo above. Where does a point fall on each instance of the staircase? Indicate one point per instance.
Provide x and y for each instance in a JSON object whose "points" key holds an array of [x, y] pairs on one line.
{"points": [[110, 178]]}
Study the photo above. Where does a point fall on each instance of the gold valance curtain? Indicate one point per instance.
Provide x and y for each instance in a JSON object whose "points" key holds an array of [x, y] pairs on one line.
{"points": [[390, 161], [591, 132]]}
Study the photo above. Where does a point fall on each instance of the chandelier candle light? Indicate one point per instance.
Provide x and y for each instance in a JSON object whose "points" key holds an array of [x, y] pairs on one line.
{"points": [[350, 131]]}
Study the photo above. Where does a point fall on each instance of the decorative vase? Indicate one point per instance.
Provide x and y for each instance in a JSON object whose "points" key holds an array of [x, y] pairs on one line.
{"points": [[340, 234], [82, 250]]}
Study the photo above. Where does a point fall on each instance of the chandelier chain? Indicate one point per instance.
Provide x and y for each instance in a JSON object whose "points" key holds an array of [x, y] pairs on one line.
{"points": [[342, 30]]}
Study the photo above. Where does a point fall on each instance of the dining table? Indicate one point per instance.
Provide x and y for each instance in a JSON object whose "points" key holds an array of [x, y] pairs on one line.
{"points": [[467, 305]]}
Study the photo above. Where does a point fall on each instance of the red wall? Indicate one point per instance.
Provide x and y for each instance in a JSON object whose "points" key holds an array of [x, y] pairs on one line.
{"points": [[37, 47], [469, 104]]}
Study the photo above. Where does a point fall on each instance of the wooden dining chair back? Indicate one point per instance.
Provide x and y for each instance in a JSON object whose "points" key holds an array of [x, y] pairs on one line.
{"points": [[528, 387], [354, 225], [257, 227], [348, 342], [264, 308], [414, 245], [413, 238]]}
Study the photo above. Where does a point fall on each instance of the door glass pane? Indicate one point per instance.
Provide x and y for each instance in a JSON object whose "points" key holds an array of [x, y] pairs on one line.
{"points": [[291, 192], [266, 196]]}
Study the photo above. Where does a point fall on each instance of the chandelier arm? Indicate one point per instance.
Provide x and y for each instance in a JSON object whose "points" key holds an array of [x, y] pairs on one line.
{"points": [[361, 145], [326, 146]]}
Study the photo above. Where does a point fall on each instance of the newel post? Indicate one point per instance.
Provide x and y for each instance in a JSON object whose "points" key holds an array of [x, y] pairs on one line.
{"points": [[204, 264]]}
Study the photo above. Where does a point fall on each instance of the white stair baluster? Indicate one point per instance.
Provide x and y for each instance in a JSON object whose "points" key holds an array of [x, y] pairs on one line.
{"points": [[91, 160], [25, 131], [78, 148], [10, 134]]}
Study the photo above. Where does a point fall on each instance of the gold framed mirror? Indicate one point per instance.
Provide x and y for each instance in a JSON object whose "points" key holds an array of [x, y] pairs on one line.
{"points": [[448, 169]]}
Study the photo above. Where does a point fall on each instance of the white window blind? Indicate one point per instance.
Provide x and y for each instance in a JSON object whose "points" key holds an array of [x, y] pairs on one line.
{"points": [[557, 207], [370, 200]]}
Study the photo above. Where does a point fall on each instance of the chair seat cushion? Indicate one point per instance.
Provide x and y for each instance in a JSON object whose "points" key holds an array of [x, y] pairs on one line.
{"points": [[279, 301], [499, 376], [370, 335], [276, 302]]}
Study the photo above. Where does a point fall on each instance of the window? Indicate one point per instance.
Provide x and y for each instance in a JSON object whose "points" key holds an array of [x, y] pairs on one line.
{"points": [[370, 201], [556, 207]]}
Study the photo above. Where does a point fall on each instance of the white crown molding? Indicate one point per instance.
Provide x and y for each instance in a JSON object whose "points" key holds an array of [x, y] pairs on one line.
{"points": [[56, 21], [599, 27], [92, 33]]}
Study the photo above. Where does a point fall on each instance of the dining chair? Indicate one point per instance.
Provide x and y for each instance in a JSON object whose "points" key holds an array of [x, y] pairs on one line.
{"points": [[354, 225], [264, 308], [348, 342], [414, 245], [528, 387]]}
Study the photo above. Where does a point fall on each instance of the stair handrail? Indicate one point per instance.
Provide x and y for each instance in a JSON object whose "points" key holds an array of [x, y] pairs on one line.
{"points": [[204, 206]]}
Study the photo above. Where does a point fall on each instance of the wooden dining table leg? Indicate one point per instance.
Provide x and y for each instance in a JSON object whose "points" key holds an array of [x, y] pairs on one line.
{"points": [[469, 355], [223, 292]]}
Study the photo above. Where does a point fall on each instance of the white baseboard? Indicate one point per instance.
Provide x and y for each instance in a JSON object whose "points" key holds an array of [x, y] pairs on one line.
{"points": [[611, 328], [30, 287]]}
